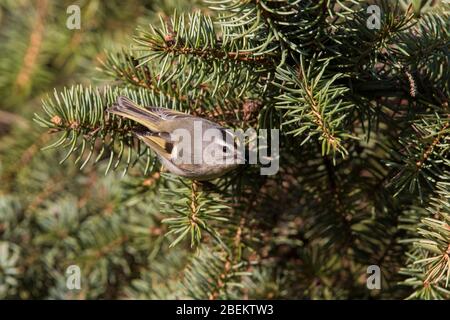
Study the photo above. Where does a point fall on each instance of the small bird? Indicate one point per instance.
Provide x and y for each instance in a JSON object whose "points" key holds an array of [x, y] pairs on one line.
{"points": [[160, 132]]}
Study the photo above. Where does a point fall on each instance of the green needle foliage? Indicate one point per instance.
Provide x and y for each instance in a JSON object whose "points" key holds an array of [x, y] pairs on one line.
{"points": [[364, 150]]}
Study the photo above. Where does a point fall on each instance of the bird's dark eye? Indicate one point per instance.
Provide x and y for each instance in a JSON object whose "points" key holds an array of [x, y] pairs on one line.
{"points": [[224, 149]]}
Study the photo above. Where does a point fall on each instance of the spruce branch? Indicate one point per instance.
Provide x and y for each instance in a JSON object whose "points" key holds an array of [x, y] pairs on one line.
{"points": [[423, 48], [214, 276], [220, 106], [194, 212], [423, 155], [193, 50], [275, 26], [356, 47], [428, 268], [314, 105]]}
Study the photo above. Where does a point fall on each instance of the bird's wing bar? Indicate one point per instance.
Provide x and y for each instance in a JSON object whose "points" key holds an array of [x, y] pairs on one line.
{"points": [[159, 141]]}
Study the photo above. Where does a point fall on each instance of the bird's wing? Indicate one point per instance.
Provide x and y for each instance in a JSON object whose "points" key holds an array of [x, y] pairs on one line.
{"points": [[159, 141], [169, 114], [128, 109], [162, 145], [150, 117]]}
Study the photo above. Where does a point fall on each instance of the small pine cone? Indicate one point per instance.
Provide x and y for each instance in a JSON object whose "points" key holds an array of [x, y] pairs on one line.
{"points": [[251, 107], [412, 84], [56, 120], [170, 39]]}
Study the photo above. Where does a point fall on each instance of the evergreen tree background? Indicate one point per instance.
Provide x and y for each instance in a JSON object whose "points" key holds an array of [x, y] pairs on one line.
{"points": [[364, 157]]}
